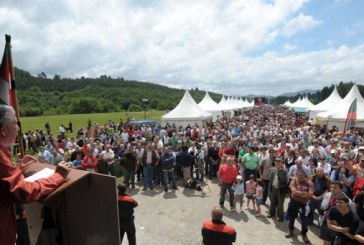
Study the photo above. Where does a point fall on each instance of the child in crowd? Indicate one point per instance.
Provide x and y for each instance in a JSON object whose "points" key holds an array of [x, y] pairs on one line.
{"points": [[239, 192], [259, 196], [250, 191]]}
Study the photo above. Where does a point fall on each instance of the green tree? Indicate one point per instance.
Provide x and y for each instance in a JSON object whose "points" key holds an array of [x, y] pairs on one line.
{"points": [[134, 107]]}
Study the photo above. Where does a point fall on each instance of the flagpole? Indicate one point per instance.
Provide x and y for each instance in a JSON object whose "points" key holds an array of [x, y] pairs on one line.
{"points": [[13, 91]]}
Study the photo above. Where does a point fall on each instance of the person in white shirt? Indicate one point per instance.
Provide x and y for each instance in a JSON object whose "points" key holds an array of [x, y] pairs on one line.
{"points": [[109, 156], [325, 165]]}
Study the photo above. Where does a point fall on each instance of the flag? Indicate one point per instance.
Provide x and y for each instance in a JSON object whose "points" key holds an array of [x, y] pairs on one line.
{"points": [[350, 121], [6, 95]]}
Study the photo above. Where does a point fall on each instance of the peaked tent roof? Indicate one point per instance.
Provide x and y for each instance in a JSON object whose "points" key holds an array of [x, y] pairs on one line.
{"points": [[343, 107], [287, 103], [187, 108], [303, 103], [340, 111], [333, 99], [209, 104], [224, 104]]}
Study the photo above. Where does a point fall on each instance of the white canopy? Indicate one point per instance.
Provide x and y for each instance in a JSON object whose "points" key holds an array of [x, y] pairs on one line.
{"points": [[337, 115], [211, 106], [225, 106], [303, 103], [288, 103], [327, 104], [187, 112]]}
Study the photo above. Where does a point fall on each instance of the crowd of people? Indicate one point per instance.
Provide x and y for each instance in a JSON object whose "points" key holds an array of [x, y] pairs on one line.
{"points": [[264, 154]]}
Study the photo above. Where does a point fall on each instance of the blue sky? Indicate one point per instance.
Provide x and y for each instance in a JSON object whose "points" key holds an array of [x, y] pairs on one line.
{"points": [[232, 47]]}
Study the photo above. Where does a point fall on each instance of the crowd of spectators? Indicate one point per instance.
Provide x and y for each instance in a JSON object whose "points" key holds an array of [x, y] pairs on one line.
{"points": [[282, 151]]}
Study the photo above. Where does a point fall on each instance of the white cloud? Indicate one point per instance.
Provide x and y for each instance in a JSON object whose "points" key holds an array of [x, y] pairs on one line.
{"points": [[288, 47], [300, 23], [210, 44], [355, 29]]}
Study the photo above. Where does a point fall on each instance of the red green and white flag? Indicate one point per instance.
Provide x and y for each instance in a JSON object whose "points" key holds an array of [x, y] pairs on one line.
{"points": [[351, 117], [6, 96]]}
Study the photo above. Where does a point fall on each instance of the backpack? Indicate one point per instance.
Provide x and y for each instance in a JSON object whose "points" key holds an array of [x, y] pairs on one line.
{"points": [[191, 183], [358, 186]]}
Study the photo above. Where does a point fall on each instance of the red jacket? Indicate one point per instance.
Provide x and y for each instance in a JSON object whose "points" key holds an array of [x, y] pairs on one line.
{"points": [[93, 163], [13, 189]]}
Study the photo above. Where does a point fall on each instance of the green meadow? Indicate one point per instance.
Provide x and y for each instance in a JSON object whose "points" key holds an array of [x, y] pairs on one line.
{"points": [[80, 120]]}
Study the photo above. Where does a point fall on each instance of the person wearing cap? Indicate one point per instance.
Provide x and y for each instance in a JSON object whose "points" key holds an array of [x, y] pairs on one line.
{"points": [[278, 181], [216, 231], [126, 205], [239, 192]]}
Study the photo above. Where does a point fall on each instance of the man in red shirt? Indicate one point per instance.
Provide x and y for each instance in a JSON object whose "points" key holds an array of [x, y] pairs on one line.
{"points": [[13, 187], [227, 174]]}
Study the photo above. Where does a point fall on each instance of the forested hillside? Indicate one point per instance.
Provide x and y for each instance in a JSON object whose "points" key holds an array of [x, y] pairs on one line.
{"points": [[40, 95], [320, 95]]}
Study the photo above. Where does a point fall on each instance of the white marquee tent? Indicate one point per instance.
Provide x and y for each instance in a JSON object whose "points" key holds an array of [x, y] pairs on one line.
{"points": [[327, 104], [226, 107], [337, 115], [187, 112], [209, 105]]}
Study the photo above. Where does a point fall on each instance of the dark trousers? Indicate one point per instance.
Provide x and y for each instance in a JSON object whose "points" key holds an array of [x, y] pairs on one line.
{"points": [[178, 171], [148, 171], [314, 204], [22, 232], [213, 169], [139, 172], [129, 228], [168, 175], [295, 208], [112, 169], [223, 189], [265, 189], [129, 177], [157, 174], [276, 202]]}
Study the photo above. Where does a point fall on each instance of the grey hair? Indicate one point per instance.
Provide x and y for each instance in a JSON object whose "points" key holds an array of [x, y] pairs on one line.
{"points": [[6, 114], [217, 213]]}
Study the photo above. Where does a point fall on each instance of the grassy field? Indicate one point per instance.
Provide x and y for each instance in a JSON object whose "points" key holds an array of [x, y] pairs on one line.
{"points": [[80, 120]]}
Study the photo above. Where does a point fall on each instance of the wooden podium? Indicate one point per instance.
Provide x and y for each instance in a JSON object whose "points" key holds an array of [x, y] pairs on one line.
{"points": [[85, 208]]}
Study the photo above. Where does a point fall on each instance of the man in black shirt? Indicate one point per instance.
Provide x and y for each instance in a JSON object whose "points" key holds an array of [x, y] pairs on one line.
{"points": [[213, 159], [216, 231], [343, 221], [126, 206]]}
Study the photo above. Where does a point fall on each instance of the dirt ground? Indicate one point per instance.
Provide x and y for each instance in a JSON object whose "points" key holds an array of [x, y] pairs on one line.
{"points": [[176, 217]]}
